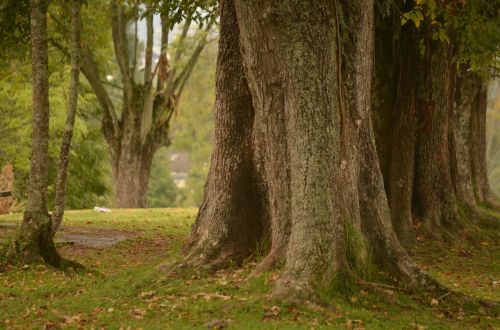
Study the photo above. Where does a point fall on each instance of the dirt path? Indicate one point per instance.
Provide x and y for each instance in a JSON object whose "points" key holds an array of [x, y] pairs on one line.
{"points": [[97, 238]]}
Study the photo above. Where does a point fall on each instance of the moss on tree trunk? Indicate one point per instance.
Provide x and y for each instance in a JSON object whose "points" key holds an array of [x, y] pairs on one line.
{"points": [[34, 243], [295, 166]]}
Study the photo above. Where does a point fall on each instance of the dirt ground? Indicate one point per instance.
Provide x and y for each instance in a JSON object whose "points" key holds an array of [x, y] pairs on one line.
{"points": [[97, 238]]}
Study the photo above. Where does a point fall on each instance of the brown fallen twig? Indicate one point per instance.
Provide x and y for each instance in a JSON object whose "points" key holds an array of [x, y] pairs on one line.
{"points": [[386, 286]]}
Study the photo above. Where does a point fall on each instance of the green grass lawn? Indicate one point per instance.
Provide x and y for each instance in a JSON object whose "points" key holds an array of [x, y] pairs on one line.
{"points": [[123, 287]]}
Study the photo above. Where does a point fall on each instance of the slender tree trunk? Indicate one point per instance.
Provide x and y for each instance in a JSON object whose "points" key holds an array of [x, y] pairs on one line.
{"points": [[62, 174], [327, 209], [35, 241]]}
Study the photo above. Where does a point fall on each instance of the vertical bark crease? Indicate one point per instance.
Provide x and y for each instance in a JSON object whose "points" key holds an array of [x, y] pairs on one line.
{"points": [[310, 168]]}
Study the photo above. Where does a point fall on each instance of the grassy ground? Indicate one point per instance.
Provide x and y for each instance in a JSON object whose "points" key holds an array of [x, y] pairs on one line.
{"points": [[124, 288]]}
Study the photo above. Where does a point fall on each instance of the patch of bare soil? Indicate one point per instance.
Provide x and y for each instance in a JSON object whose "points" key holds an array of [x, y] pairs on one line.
{"points": [[97, 238]]}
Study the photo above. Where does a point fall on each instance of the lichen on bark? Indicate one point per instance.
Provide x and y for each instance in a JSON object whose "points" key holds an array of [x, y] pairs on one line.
{"points": [[294, 161]]}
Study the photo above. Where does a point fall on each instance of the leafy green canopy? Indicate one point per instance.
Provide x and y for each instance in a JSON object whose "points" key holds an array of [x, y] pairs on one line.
{"points": [[200, 11], [473, 25], [14, 28]]}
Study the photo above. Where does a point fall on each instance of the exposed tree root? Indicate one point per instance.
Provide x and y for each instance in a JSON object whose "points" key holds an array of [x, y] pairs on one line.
{"points": [[295, 291], [271, 261], [211, 259], [482, 218]]}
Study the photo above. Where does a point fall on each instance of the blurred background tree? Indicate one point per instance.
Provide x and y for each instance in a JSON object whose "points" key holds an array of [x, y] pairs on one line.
{"points": [[493, 135], [89, 181]]}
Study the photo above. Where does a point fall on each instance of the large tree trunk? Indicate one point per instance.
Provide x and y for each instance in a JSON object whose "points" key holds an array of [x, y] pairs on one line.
{"points": [[231, 217], [462, 133], [131, 161], [436, 202], [437, 148], [395, 118], [294, 161], [35, 243]]}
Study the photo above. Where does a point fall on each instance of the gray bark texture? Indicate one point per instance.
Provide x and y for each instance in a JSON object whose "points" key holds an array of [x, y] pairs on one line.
{"points": [[295, 169], [35, 243]]}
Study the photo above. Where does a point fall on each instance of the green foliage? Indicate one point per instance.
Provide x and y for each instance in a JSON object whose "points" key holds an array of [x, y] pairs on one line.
{"points": [[200, 11], [88, 181], [162, 190], [192, 128], [14, 28], [474, 26]]}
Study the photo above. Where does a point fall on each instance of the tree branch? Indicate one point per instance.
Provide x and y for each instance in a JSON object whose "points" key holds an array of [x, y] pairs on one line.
{"points": [[162, 63], [167, 89], [178, 83], [90, 71], [120, 44], [105, 82], [62, 171], [136, 41], [181, 80], [148, 77]]}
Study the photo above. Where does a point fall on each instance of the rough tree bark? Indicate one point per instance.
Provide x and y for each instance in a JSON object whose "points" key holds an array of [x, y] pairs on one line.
{"points": [[35, 243], [436, 203], [299, 170], [62, 173], [436, 152]]}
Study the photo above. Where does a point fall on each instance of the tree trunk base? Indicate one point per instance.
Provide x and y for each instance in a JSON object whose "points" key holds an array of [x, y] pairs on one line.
{"points": [[35, 245]]}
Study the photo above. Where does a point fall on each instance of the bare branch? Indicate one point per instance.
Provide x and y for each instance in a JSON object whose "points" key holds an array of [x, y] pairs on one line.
{"points": [[148, 77], [162, 63], [168, 88], [180, 81], [89, 69], [120, 43], [136, 42], [105, 82]]}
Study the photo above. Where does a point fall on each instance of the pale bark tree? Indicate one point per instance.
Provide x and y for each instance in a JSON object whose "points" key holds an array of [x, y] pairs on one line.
{"points": [[137, 126]]}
